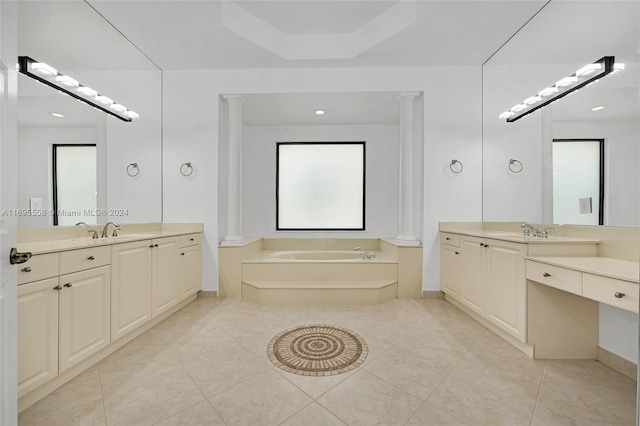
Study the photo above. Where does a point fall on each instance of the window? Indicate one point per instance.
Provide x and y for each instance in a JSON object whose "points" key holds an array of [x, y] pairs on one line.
{"points": [[320, 186], [74, 184]]}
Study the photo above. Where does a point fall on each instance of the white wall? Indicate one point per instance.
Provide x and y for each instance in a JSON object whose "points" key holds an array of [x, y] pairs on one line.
{"points": [[452, 129], [259, 176], [622, 174], [619, 332]]}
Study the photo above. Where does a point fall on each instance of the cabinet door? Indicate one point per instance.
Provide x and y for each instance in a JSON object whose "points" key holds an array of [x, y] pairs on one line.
{"points": [[130, 286], [166, 289], [190, 270], [84, 316], [472, 274], [506, 287], [37, 334], [449, 269]]}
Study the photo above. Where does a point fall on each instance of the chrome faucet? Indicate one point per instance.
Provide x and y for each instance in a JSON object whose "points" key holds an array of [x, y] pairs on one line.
{"points": [[115, 231], [527, 230], [365, 254], [544, 232]]}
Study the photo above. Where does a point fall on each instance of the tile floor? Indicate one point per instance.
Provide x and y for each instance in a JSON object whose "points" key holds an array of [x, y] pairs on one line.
{"points": [[429, 364]]}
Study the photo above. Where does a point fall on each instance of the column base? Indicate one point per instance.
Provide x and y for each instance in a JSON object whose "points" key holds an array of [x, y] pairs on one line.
{"points": [[407, 240], [233, 241]]}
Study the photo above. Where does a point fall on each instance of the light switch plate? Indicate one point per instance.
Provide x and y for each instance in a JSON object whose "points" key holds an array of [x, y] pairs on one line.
{"points": [[35, 203], [585, 205]]}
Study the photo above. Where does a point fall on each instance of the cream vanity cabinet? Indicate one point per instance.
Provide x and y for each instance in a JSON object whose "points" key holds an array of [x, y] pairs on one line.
{"points": [[64, 319], [190, 260], [492, 282], [450, 260]]}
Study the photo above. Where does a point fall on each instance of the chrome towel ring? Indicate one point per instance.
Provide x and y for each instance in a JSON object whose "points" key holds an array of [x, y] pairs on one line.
{"points": [[133, 170], [186, 169], [518, 166], [458, 168]]}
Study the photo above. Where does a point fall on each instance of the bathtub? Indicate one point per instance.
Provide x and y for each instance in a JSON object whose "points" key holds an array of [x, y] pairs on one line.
{"points": [[315, 255]]}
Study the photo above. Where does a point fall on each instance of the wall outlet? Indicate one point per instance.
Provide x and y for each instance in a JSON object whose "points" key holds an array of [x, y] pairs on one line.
{"points": [[585, 205], [35, 203]]}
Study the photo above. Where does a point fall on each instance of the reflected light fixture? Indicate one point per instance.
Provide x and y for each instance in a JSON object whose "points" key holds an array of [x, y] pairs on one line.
{"points": [[588, 74], [319, 112], [57, 114], [598, 108], [48, 75]]}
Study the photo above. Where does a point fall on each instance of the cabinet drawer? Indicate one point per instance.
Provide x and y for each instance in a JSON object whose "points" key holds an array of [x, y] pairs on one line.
{"points": [[79, 260], [190, 240], [38, 267], [553, 276], [451, 239], [604, 290]]}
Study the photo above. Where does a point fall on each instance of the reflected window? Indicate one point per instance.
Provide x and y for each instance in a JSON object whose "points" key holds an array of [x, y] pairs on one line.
{"points": [[578, 181], [320, 186], [74, 184]]}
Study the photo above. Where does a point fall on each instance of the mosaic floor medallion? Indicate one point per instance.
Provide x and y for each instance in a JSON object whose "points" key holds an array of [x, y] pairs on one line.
{"points": [[317, 350]]}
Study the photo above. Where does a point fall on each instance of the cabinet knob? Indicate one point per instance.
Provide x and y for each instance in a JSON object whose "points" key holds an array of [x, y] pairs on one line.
{"points": [[447, 238], [191, 239], [457, 252], [58, 287], [546, 274], [27, 269], [181, 254], [151, 246], [91, 258], [67, 285], [155, 245], [619, 295]]}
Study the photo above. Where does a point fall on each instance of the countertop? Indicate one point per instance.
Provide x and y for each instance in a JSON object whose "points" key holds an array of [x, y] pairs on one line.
{"points": [[604, 266], [517, 237]]}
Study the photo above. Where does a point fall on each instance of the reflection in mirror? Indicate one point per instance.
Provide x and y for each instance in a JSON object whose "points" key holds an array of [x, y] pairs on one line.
{"points": [[74, 183], [77, 41], [562, 38]]}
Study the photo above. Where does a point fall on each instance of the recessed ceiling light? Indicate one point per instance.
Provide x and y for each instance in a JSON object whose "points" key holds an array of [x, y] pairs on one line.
{"points": [[57, 114], [598, 108], [319, 112]]}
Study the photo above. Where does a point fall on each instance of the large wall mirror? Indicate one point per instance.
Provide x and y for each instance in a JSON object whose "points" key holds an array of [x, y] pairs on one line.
{"points": [[73, 38], [560, 39]]}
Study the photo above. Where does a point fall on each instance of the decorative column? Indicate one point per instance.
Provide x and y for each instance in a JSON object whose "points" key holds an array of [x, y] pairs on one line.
{"points": [[405, 205], [234, 171]]}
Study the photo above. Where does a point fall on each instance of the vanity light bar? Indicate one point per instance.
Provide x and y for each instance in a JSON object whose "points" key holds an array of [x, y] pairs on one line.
{"points": [[48, 75], [586, 75]]}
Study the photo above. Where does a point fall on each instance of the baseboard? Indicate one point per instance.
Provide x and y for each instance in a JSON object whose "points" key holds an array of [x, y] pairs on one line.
{"points": [[618, 363], [430, 294], [207, 293]]}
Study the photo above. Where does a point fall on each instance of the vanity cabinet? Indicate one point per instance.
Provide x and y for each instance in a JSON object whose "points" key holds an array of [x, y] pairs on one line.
{"points": [[130, 286], [190, 259], [62, 320], [450, 261], [166, 289], [493, 282]]}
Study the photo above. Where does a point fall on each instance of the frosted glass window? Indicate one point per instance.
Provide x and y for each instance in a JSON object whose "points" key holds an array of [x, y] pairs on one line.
{"points": [[320, 186], [74, 184], [578, 181]]}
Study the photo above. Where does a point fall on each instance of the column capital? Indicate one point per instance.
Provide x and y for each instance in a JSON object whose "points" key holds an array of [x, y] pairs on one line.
{"points": [[234, 98], [407, 95]]}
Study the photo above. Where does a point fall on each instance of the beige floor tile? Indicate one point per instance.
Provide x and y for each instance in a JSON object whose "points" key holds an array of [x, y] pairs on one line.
{"points": [[313, 415], [202, 344], [409, 372], [587, 392], [153, 401], [428, 415], [77, 402], [436, 344], [315, 386], [266, 399], [485, 389], [364, 399], [225, 370], [201, 414]]}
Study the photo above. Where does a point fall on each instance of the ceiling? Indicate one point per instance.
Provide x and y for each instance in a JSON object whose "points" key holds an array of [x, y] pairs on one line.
{"points": [[184, 35]]}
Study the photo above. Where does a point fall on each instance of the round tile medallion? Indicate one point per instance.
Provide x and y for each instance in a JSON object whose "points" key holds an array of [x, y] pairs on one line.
{"points": [[317, 350]]}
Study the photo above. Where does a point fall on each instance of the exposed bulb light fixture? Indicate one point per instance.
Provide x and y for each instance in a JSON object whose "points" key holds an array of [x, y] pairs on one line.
{"points": [[44, 69], [67, 81], [588, 74], [48, 75], [319, 112], [57, 114], [598, 108]]}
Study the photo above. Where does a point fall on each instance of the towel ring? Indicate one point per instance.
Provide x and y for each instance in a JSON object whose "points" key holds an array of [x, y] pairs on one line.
{"points": [[186, 169], [453, 163], [517, 168], [133, 170]]}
